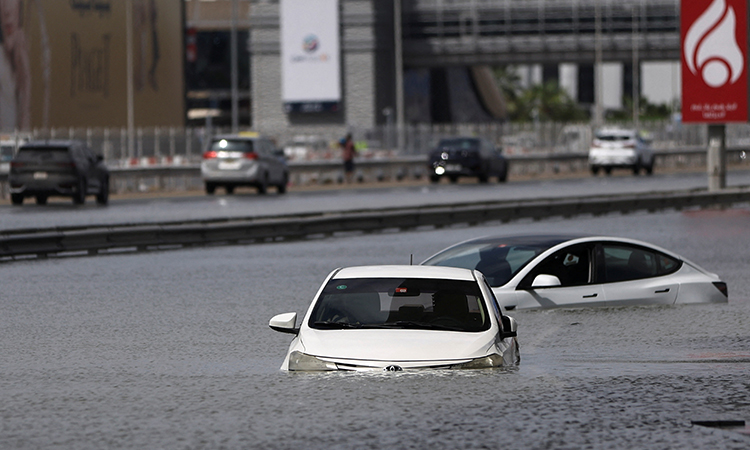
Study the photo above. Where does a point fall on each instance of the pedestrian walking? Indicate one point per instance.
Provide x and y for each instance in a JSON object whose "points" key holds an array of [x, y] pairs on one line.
{"points": [[347, 147]]}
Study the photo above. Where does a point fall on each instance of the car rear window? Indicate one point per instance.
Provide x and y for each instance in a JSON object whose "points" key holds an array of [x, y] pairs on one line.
{"points": [[228, 145], [431, 304], [614, 137], [43, 154]]}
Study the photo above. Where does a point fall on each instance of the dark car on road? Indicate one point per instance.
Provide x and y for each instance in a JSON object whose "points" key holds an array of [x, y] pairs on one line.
{"points": [[467, 157], [43, 169]]}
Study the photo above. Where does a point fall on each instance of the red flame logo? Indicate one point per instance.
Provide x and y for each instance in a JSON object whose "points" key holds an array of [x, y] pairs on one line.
{"points": [[710, 48]]}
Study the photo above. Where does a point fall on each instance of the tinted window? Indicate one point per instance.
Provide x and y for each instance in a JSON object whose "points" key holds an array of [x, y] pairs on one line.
{"points": [[43, 154], [572, 265], [625, 262], [497, 262], [459, 144], [228, 145], [400, 303]]}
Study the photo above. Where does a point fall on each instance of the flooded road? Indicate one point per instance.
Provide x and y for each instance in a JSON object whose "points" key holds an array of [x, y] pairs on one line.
{"points": [[172, 350]]}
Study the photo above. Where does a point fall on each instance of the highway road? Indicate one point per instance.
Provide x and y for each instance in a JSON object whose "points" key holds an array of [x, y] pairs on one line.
{"points": [[172, 349], [246, 203]]}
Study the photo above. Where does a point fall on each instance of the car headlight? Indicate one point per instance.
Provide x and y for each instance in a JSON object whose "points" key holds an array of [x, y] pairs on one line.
{"points": [[439, 170], [484, 362], [299, 361]]}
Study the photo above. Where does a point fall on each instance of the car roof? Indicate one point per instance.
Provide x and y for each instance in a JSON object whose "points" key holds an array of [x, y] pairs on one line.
{"points": [[550, 240], [405, 271]]}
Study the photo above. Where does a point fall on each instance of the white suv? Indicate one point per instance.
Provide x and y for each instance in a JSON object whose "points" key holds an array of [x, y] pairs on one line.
{"points": [[620, 148]]}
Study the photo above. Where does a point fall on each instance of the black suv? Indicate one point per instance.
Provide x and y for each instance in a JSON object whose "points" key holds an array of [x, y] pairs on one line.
{"points": [[63, 168], [467, 157]]}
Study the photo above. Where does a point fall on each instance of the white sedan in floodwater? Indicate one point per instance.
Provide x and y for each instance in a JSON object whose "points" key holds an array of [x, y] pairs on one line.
{"points": [[552, 271], [400, 317]]}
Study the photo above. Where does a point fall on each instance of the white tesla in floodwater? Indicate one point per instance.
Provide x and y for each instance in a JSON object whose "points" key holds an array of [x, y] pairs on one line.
{"points": [[552, 271], [400, 317]]}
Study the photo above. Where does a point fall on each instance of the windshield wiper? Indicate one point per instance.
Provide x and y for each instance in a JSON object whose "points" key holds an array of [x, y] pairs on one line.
{"points": [[336, 325], [422, 325]]}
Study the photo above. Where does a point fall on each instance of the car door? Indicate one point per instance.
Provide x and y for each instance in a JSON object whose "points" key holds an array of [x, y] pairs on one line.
{"points": [[634, 275], [570, 280]]}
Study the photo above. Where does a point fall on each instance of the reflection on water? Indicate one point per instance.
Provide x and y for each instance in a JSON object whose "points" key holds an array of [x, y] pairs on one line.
{"points": [[172, 350]]}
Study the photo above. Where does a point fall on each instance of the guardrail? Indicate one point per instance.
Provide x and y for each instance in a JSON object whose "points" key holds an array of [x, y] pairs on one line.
{"points": [[72, 241]]}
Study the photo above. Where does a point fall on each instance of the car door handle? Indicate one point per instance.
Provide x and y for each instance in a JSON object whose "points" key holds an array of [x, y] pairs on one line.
{"points": [[662, 291], [591, 296]]}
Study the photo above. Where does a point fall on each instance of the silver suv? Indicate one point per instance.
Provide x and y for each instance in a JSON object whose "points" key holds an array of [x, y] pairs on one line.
{"points": [[620, 148], [43, 169], [244, 160]]}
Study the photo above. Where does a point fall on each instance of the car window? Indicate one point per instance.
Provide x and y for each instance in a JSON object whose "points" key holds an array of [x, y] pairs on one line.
{"points": [[572, 265], [432, 304], [229, 145], [43, 154], [624, 262], [497, 262], [459, 144]]}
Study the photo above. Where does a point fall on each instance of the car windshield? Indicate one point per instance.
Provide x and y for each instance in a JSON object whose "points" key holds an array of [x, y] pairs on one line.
{"points": [[497, 261], [405, 303], [458, 144], [228, 145]]}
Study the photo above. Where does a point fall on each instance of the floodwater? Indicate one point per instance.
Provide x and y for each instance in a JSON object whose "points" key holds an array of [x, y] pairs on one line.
{"points": [[171, 350]]}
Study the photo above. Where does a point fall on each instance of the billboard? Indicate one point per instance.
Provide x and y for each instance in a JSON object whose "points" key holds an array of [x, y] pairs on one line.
{"points": [[64, 64], [714, 61], [310, 55]]}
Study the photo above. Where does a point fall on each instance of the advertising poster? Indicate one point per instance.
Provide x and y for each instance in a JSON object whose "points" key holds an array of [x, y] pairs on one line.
{"points": [[310, 55], [64, 63], [714, 61]]}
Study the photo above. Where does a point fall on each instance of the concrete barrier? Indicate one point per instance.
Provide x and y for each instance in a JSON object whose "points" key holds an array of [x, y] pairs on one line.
{"points": [[69, 241]]}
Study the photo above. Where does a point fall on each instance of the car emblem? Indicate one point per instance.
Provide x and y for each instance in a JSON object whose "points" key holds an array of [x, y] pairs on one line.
{"points": [[392, 368]]}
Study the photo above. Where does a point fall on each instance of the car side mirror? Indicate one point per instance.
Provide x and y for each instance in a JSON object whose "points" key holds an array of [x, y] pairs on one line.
{"points": [[99, 158], [510, 327], [284, 323], [545, 281]]}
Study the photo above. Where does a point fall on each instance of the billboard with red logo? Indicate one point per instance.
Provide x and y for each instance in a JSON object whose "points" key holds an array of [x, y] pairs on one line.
{"points": [[714, 61]]}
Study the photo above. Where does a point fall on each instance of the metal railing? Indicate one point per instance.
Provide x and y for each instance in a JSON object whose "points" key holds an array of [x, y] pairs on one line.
{"points": [[179, 146]]}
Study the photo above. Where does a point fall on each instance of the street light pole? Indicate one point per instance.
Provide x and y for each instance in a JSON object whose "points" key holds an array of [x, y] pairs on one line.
{"points": [[233, 61], [598, 94], [399, 74], [636, 69], [129, 76]]}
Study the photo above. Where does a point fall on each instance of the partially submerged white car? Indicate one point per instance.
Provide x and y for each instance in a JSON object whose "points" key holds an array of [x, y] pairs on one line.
{"points": [[397, 318], [552, 271]]}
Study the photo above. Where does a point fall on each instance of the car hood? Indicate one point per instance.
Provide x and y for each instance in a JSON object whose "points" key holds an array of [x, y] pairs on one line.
{"points": [[397, 345]]}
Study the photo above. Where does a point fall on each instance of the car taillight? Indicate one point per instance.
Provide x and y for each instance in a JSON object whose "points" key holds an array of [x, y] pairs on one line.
{"points": [[16, 164], [722, 287], [210, 154], [66, 164], [251, 155]]}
